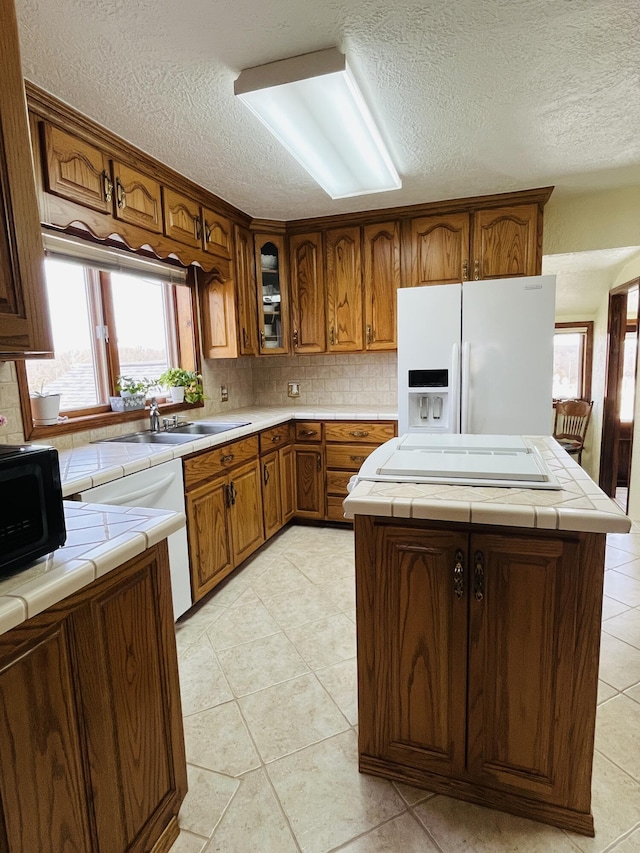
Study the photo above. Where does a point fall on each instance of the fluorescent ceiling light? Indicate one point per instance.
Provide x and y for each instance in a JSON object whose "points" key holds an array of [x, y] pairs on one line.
{"points": [[313, 106]]}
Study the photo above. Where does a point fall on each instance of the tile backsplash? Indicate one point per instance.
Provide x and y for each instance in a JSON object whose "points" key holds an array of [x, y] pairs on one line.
{"points": [[324, 380]]}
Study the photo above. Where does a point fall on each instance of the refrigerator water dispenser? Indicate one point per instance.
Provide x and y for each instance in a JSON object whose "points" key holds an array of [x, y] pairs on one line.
{"points": [[429, 404]]}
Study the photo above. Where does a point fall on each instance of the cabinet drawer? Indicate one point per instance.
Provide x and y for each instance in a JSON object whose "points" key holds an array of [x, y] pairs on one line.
{"points": [[308, 431], [375, 432], [348, 456], [271, 439], [337, 482], [218, 460], [335, 512]]}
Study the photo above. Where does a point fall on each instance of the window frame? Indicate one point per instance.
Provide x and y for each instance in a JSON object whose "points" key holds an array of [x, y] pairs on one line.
{"points": [[95, 417], [584, 327]]}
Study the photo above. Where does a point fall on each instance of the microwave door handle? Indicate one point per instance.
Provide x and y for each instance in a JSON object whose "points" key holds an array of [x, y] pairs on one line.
{"points": [[464, 396], [123, 500], [454, 388]]}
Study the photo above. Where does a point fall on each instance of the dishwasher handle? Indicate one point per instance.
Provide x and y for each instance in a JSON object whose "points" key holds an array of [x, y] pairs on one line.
{"points": [[125, 499]]}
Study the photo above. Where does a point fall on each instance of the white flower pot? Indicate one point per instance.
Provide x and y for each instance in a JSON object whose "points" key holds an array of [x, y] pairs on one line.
{"points": [[45, 410], [177, 394]]}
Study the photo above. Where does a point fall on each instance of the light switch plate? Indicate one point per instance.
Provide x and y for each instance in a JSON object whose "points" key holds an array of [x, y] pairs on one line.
{"points": [[293, 389], [224, 394]]}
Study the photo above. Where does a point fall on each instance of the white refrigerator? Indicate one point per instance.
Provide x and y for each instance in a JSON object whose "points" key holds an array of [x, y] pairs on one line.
{"points": [[477, 357]]}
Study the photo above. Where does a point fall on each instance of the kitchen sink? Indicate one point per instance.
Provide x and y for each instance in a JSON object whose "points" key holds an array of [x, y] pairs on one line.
{"points": [[177, 435]]}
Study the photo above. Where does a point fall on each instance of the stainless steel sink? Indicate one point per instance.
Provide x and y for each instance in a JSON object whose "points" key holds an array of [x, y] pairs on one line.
{"points": [[177, 435]]}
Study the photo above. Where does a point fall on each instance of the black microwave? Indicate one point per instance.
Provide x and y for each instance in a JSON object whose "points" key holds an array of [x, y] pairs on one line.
{"points": [[31, 510]]}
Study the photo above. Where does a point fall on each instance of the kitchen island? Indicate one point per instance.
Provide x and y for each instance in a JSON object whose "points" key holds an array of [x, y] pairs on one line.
{"points": [[91, 740], [478, 619]]}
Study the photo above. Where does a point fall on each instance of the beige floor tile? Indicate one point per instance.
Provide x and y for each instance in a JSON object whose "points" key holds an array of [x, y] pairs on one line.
{"points": [[282, 577], [231, 588], [632, 569], [323, 566], [625, 542], [622, 588], [630, 844], [241, 625], [615, 557], [291, 716], [460, 827], [218, 740], [342, 591], [254, 822], [618, 733], [325, 642], [187, 842], [615, 803], [625, 627], [412, 796], [202, 682], [195, 625], [403, 833], [619, 662], [605, 692], [611, 608], [261, 663], [633, 692], [307, 605], [325, 798], [208, 796], [341, 680]]}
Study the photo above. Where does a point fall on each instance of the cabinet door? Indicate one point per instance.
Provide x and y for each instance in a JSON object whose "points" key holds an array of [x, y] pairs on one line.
{"points": [[246, 527], [526, 710], [412, 645], [307, 292], [138, 198], [24, 324], [439, 249], [216, 233], [182, 219], [344, 290], [309, 482], [246, 291], [77, 170], [381, 247], [209, 546], [43, 792], [218, 317], [271, 505], [272, 294], [505, 242], [287, 484]]}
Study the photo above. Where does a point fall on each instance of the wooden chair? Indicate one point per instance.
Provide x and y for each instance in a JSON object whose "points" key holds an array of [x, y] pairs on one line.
{"points": [[570, 426]]}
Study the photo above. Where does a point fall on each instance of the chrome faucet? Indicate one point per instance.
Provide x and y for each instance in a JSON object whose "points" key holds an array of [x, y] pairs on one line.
{"points": [[154, 416]]}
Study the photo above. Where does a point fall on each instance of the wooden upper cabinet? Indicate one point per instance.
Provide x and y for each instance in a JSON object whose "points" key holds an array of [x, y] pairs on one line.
{"points": [[272, 293], [505, 242], [344, 289], [246, 291], [439, 249], [24, 322], [381, 248], [216, 233], [76, 170], [182, 219], [218, 317], [307, 292], [137, 198]]}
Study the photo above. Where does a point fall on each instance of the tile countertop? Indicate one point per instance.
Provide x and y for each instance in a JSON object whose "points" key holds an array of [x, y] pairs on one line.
{"points": [[99, 539], [94, 464], [580, 505]]}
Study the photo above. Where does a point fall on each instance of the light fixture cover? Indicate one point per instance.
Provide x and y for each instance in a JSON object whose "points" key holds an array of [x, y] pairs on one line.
{"points": [[313, 106]]}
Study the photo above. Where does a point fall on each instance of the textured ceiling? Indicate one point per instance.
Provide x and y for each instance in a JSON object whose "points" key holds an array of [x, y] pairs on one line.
{"points": [[472, 96]]}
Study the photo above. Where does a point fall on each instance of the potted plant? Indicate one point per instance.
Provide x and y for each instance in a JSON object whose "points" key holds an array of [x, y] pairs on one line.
{"points": [[184, 385], [45, 407], [133, 393]]}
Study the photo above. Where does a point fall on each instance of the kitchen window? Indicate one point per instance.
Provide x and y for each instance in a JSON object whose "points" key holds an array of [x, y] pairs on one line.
{"points": [[572, 361], [111, 316]]}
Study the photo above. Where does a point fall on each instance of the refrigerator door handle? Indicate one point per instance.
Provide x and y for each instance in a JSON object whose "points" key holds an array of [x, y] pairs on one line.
{"points": [[454, 389], [464, 396]]}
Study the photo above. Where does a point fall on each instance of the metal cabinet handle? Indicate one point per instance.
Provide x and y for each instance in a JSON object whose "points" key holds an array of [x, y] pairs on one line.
{"points": [[465, 270], [357, 458], [458, 575], [276, 438], [197, 227], [478, 576], [265, 474], [359, 433], [295, 337], [207, 232], [369, 334], [308, 432], [245, 337], [226, 459], [319, 462], [107, 186], [476, 269], [121, 195], [262, 339], [332, 336], [232, 493]]}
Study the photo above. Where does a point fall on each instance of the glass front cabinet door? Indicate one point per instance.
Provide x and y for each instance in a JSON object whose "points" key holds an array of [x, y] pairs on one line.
{"points": [[273, 294]]}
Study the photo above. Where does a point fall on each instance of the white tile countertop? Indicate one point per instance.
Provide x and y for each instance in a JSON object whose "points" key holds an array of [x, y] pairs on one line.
{"points": [[99, 539], [90, 465], [580, 504]]}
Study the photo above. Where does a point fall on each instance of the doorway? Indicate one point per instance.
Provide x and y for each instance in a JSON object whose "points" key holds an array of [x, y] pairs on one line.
{"points": [[619, 401]]}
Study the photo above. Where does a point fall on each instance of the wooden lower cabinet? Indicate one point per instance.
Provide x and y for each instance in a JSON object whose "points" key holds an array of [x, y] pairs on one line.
{"points": [[310, 492], [277, 472], [91, 740], [478, 663]]}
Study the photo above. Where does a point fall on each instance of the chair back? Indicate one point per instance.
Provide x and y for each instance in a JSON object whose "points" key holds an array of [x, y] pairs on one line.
{"points": [[571, 422]]}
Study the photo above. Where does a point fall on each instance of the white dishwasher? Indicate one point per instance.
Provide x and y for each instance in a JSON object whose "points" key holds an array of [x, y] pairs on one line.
{"points": [[160, 487]]}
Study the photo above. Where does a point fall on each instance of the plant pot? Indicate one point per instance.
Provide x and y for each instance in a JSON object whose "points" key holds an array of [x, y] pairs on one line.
{"points": [[177, 394], [45, 410], [127, 402]]}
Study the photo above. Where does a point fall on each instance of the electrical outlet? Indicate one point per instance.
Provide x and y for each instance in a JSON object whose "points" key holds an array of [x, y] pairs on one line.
{"points": [[293, 389], [224, 394]]}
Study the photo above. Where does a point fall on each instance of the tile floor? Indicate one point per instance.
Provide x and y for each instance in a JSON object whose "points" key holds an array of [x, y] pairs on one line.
{"points": [[268, 674]]}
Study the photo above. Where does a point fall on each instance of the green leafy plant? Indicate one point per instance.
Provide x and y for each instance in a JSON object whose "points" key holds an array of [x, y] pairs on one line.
{"points": [[191, 381], [134, 386]]}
